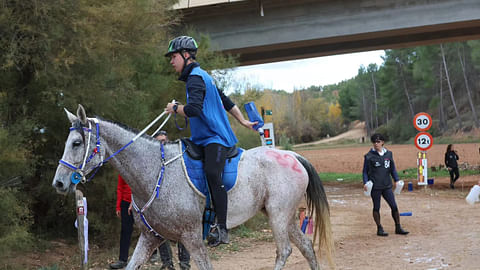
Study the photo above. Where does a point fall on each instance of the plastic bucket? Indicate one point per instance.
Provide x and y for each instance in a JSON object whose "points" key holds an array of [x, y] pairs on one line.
{"points": [[410, 186], [399, 186], [472, 196], [369, 185], [430, 181]]}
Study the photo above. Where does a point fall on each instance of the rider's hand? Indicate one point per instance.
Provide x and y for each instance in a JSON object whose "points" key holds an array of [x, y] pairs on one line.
{"points": [[249, 124], [117, 213], [169, 108]]}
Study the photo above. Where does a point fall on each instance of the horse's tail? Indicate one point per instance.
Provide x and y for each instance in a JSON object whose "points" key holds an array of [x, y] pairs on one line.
{"points": [[318, 205]]}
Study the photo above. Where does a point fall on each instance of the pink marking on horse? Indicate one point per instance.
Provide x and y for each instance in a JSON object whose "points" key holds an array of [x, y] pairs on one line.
{"points": [[285, 160]]}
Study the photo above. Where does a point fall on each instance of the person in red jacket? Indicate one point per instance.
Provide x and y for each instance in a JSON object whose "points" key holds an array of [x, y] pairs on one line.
{"points": [[123, 211]]}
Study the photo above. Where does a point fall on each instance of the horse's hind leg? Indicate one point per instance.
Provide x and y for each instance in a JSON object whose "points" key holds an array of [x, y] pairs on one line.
{"points": [[279, 224], [303, 244]]}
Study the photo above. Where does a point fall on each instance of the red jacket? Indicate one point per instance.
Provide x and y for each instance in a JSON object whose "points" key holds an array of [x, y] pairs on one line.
{"points": [[124, 193]]}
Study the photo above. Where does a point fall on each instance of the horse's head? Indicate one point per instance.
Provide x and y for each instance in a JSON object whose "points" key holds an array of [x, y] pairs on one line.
{"points": [[80, 153]]}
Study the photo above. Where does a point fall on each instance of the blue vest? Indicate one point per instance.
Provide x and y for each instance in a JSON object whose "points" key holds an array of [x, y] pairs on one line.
{"points": [[212, 126]]}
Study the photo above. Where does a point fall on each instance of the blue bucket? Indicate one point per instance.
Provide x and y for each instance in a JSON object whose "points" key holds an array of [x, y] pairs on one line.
{"points": [[410, 186], [430, 181]]}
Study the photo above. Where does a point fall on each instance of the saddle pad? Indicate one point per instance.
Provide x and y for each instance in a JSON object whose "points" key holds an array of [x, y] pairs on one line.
{"points": [[196, 176]]}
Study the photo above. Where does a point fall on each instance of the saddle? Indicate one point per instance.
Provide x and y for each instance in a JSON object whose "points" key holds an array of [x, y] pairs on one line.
{"points": [[196, 151], [193, 165]]}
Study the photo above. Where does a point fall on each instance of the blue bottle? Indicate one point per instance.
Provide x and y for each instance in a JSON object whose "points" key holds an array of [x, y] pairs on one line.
{"points": [[304, 224], [253, 115]]}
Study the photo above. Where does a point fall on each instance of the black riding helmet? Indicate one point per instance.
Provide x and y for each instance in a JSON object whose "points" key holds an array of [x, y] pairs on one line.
{"points": [[182, 43]]}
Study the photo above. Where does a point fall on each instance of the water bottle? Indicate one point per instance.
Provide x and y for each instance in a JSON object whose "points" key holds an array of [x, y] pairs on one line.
{"points": [[369, 185], [253, 115], [399, 187], [472, 196]]}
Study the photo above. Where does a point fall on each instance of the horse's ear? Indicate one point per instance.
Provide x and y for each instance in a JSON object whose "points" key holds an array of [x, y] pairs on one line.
{"points": [[70, 116], [82, 116]]}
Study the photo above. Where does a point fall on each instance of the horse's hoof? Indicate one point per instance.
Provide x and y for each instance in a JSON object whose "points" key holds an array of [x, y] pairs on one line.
{"points": [[118, 264]]}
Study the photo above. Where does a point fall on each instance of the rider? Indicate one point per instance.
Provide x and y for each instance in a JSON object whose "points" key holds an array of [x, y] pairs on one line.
{"points": [[209, 125], [379, 168]]}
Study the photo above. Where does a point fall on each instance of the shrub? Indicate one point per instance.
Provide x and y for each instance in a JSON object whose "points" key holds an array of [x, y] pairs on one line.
{"points": [[15, 222]]}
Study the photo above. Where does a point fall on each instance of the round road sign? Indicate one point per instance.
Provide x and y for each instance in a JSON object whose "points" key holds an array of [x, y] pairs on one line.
{"points": [[423, 141], [422, 121]]}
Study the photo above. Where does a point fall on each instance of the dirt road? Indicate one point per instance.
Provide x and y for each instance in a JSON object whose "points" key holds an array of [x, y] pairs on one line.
{"points": [[444, 233], [444, 229]]}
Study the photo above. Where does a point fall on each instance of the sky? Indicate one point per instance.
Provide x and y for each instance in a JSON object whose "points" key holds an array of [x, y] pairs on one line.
{"points": [[300, 74]]}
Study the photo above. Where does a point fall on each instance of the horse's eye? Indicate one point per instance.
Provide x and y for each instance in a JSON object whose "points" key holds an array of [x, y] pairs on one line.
{"points": [[77, 143]]}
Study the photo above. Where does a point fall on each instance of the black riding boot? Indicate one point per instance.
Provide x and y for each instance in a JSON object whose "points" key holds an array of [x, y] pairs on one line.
{"points": [[380, 231], [398, 227], [218, 235]]}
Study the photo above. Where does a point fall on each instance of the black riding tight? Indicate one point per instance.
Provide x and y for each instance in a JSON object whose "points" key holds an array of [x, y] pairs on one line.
{"points": [[454, 175], [387, 194], [215, 156]]}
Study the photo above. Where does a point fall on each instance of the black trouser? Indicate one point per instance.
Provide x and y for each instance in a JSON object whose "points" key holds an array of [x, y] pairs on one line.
{"points": [[454, 171], [126, 232], [166, 253], [215, 156]]}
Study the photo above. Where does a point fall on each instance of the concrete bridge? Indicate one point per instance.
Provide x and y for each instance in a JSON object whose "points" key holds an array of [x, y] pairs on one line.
{"points": [[263, 31]]}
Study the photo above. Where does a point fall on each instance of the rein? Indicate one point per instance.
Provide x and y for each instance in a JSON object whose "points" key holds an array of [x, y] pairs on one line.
{"points": [[80, 173]]}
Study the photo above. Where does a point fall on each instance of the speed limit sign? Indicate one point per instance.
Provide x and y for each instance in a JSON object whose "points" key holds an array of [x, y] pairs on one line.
{"points": [[423, 141], [422, 121]]}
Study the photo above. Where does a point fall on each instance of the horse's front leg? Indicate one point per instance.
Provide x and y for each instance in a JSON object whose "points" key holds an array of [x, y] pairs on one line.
{"points": [[194, 244], [147, 242]]}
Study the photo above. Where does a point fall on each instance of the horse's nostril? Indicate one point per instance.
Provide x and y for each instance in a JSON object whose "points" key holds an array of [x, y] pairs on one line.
{"points": [[58, 184]]}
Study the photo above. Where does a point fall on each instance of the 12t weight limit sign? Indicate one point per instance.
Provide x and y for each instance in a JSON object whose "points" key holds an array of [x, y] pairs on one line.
{"points": [[423, 141], [422, 121]]}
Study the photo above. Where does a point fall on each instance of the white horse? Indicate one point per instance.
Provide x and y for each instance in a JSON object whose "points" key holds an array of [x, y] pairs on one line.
{"points": [[269, 180]]}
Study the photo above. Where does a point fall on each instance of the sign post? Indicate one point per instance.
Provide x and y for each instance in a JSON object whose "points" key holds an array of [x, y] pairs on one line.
{"points": [[82, 238], [268, 135], [423, 141]]}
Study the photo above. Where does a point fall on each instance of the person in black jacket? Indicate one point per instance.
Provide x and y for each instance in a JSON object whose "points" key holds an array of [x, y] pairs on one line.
{"points": [[379, 167], [451, 158]]}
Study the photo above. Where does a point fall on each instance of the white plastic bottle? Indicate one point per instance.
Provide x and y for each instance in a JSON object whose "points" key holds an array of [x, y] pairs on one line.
{"points": [[399, 187], [369, 185], [472, 196]]}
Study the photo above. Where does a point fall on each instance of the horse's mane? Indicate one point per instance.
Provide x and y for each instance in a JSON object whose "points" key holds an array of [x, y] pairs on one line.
{"points": [[133, 130]]}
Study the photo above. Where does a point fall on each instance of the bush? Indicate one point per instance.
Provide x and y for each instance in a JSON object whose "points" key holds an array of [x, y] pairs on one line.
{"points": [[285, 142], [15, 222]]}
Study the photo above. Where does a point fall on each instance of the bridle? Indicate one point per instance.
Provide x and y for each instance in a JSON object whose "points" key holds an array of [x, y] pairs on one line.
{"points": [[79, 172]]}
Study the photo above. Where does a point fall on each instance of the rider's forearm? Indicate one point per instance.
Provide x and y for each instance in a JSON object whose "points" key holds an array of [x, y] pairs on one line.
{"points": [[235, 111]]}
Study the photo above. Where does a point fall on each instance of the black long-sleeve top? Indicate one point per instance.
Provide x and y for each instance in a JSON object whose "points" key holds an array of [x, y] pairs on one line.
{"points": [[196, 92], [451, 159]]}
